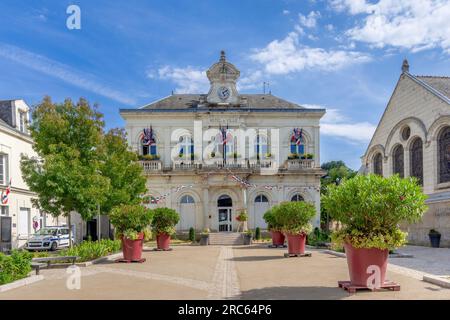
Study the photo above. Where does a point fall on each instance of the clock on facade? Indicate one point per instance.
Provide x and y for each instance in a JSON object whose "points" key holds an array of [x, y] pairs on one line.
{"points": [[223, 93]]}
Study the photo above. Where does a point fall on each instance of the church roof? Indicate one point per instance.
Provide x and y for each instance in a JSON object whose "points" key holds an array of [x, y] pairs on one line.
{"points": [[441, 84], [247, 101]]}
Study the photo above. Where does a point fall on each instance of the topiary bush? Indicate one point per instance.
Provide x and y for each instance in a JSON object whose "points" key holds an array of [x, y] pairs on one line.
{"points": [[15, 266], [272, 223], [192, 234], [164, 221], [371, 208], [130, 220], [294, 217], [257, 233]]}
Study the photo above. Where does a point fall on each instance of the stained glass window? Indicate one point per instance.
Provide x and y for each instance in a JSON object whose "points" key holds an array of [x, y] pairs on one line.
{"points": [[378, 164], [416, 156], [444, 155], [398, 161], [297, 197]]}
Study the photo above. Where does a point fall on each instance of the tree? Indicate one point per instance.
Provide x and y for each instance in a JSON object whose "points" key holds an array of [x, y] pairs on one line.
{"points": [[120, 166], [67, 176], [336, 172]]}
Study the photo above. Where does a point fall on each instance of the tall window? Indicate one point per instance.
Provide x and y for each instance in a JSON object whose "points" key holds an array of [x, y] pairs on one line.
{"points": [[444, 155], [297, 197], [297, 148], [378, 164], [22, 121], [416, 160], [187, 148], [398, 161], [3, 169], [261, 147], [149, 149]]}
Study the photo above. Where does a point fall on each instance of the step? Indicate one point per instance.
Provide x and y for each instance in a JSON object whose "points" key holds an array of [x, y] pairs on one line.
{"points": [[226, 238]]}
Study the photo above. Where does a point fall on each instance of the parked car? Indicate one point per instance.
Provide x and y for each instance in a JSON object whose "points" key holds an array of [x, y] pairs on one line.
{"points": [[49, 238]]}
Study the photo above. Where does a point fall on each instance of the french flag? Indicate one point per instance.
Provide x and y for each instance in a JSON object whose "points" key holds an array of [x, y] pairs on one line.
{"points": [[5, 194]]}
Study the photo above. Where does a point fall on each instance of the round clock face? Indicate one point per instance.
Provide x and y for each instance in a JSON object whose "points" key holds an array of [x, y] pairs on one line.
{"points": [[223, 93]]}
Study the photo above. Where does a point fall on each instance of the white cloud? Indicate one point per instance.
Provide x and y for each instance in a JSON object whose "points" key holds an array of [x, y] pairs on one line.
{"points": [[251, 80], [288, 55], [329, 27], [335, 124], [61, 71], [187, 80], [309, 21], [286, 12], [415, 25]]}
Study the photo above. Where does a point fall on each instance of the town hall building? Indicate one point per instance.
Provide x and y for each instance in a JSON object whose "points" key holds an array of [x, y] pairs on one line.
{"points": [[413, 140], [212, 155]]}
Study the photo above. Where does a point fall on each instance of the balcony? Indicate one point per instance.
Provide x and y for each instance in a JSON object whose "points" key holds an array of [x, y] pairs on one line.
{"points": [[150, 166], [300, 164]]}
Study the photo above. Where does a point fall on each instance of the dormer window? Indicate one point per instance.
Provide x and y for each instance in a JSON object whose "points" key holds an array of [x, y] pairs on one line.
{"points": [[22, 121]]}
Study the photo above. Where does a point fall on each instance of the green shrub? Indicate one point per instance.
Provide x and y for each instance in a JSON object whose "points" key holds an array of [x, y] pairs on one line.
{"points": [[192, 234], [294, 217], [90, 250], [258, 233], [164, 221], [242, 216], [269, 217], [129, 220], [318, 237], [371, 208], [15, 266]]}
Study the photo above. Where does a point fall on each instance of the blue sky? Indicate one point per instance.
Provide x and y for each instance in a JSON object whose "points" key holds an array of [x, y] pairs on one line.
{"points": [[339, 54]]}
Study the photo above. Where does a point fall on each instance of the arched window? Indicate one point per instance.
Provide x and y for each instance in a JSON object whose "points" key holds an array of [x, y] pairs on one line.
{"points": [[261, 147], [187, 199], [416, 159], [261, 198], [378, 164], [224, 201], [148, 142], [398, 161], [186, 148], [444, 155], [297, 197]]}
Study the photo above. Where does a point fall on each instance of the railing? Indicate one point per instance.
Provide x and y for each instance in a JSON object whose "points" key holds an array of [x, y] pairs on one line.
{"points": [[256, 164], [185, 165], [151, 165], [297, 164]]}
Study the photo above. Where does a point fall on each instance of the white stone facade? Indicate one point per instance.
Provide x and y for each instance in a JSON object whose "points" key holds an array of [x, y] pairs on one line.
{"points": [[192, 185], [422, 104]]}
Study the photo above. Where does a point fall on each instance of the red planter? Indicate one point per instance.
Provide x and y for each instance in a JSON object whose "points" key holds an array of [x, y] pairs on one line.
{"points": [[163, 241], [296, 243], [277, 238], [360, 259], [132, 249]]}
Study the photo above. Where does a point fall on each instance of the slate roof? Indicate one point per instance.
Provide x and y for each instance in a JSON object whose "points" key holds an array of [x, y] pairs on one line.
{"points": [[441, 84], [250, 101]]}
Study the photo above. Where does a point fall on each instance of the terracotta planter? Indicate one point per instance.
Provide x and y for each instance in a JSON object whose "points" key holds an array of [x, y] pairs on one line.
{"points": [[132, 249], [296, 243], [361, 262], [163, 241], [277, 238]]}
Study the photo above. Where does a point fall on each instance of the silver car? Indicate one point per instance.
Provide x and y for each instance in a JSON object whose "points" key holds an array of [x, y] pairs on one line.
{"points": [[49, 238]]}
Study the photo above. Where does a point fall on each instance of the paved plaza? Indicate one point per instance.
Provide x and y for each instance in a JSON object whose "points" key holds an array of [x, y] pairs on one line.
{"points": [[226, 272]]}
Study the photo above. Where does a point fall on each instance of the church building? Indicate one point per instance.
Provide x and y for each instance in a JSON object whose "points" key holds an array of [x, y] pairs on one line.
{"points": [[413, 139], [212, 155]]}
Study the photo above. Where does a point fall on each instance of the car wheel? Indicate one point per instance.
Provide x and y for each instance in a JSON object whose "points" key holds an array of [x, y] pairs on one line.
{"points": [[54, 246]]}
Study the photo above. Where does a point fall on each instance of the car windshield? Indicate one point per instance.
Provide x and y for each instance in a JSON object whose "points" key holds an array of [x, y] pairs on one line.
{"points": [[46, 232]]}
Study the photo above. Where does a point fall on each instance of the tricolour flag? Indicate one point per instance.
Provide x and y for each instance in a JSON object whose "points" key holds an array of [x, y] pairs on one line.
{"points": [[5, 194]]}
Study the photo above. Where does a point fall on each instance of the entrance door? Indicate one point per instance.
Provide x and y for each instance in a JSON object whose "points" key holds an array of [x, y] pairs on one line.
{"points": [[187, 213], [5, 234], [225, 213], [225, 220], [261, 206]]}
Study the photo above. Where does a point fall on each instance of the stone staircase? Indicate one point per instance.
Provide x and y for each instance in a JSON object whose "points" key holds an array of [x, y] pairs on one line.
{"points": [[226, 238]]}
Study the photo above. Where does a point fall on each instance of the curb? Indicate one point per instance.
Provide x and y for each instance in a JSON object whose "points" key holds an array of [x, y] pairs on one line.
{"points": [[98, 260], [335, 253], [437, 280], [20, 283]]}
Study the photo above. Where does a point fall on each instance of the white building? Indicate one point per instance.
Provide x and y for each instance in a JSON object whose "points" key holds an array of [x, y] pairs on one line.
{"points": [[413, 139], [18, 218], [198, 163]]}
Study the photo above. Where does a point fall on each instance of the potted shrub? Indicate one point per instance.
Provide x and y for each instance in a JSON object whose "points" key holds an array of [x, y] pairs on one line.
{"points": [[130, 222], [248, 237], [274, 228], [309, 156], [242, 217], [204, 237], [292, 156], [370, 209], [213, 154], [163, 225], [294, 219], [435, 238], [268, 155]]}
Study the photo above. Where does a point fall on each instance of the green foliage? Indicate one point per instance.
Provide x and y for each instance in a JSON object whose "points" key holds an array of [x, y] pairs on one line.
{"points": [[294, 217], [164, 221], [205, 231], [371, 207], [15, 266], [129, 220], [272, 223], [120, 166], [90, 250], [242, 216], [67, 176], [318, 237], [192, 234], [257, 233]]}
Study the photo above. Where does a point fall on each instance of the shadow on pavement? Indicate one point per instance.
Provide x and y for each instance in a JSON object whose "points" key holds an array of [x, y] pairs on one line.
{"points": [[294, 293]]}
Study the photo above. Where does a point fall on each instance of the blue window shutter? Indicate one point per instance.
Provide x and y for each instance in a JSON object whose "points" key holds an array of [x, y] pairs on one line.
{"points": [[293, 148], [192, 149], [153, 150], [301, 149]]}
